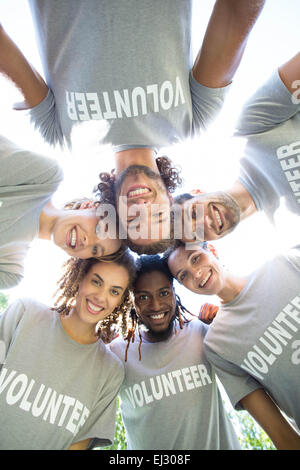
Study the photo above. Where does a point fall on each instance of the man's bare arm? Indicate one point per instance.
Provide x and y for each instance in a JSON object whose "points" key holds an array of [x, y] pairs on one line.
{"points": [[14, 66], [225, 41]]}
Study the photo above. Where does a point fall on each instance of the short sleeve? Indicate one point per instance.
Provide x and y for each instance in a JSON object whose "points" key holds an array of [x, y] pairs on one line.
{"points": [[270, 105], [237, 382], [9, 321], [206, 103], [23, 167], [45, 119], [100, 425]]}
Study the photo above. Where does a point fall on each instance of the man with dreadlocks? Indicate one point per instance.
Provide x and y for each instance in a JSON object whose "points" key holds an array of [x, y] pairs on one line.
{"points": [[170, 399]]}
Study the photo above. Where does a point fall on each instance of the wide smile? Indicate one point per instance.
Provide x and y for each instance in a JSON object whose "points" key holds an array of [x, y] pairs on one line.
{"points": [[206, 280], [72, 238], [93, 308], [218, 219], [138, 191], [158, 316]]}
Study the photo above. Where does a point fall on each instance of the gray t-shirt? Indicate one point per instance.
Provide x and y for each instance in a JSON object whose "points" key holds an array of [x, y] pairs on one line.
{"points": [[170, 399], [270, 167], [53, 391], [27, 182], [123, 70], [254, 341]]}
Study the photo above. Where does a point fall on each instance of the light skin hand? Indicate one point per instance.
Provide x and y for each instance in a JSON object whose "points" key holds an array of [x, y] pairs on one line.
{"points": [[225, 41], [268, 416], [16, 68]]}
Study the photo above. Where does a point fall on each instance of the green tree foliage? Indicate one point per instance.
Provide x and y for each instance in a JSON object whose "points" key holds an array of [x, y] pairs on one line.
{"points": [[3, 302], [252, 435]]}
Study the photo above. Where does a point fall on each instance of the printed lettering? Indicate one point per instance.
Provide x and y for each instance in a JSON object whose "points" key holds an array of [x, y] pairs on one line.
{"points": [[296, 354]]}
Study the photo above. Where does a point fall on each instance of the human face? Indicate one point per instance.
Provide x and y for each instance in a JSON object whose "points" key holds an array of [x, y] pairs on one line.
{"points": [[198, 270], [221, 214], [143, 204], [101, 291], [155, 301], [75, 232]]}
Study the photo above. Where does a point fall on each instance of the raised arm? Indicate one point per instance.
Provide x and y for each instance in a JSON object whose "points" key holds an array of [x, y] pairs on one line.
{"points": [[14, 66], [225, 41], [268, 416]]}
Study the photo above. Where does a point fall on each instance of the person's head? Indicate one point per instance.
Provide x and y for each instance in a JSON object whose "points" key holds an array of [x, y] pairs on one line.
{"points": [[197, 269], [98, 293], [221, 214], [76, 231], [156, 303], [142, 198]]}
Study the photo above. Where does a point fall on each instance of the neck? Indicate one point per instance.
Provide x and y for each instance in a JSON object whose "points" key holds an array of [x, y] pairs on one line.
{"points": [[243, 199], [80, 332], [135, 156], [233, 285], [47, 221]]}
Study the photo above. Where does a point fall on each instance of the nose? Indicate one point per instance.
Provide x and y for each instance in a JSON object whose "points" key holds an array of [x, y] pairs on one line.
{"points": [[100, 298], [197, 274], [155, 305]]}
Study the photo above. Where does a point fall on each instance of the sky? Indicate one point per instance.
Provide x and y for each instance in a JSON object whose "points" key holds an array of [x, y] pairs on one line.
{"points": [[210, 163]]}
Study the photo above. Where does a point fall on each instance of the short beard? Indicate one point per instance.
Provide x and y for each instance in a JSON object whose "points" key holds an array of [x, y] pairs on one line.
{"points": [[157, 336]]}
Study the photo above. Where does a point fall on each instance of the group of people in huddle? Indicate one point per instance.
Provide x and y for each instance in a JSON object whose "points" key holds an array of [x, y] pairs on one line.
{"points": [[117, 327]]}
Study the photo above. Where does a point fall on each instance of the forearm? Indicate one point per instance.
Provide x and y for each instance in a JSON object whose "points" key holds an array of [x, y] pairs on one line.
{"points": [[225, 41], [15, 67], [268, 416]]}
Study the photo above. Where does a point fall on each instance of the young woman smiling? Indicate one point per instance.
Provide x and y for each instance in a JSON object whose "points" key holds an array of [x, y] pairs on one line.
{"points": [[253, 341], [27, 183], [59, 381]]}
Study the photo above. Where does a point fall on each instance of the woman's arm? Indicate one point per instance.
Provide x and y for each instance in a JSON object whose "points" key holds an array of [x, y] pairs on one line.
{"points": [[266, 413], [14, 65]]}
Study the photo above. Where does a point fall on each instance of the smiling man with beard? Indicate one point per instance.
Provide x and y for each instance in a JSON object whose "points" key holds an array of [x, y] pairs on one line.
{"points": [[170, 399], [140, 189], [269, 179]]}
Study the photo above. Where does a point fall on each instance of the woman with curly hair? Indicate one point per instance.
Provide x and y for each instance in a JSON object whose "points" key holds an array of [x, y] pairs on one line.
{"points": [[59, 381], [140, 188]]}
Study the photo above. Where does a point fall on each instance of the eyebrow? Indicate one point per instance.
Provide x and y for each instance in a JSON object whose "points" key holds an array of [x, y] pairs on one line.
{"points": [[148, 292], [99, 277], [188, 257]]}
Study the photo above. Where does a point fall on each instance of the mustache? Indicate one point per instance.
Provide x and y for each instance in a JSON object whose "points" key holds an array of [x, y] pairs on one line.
{"points": [[134, 170]]}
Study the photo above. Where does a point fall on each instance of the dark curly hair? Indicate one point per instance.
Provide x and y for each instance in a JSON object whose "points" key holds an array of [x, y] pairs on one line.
{"points": [[75, 269]]}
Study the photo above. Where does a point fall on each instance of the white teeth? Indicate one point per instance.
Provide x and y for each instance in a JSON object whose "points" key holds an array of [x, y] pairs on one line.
{"points": [[218, 219], [138, 191], [74, 237], [93, 307], [206, 279], [158, 317]]}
